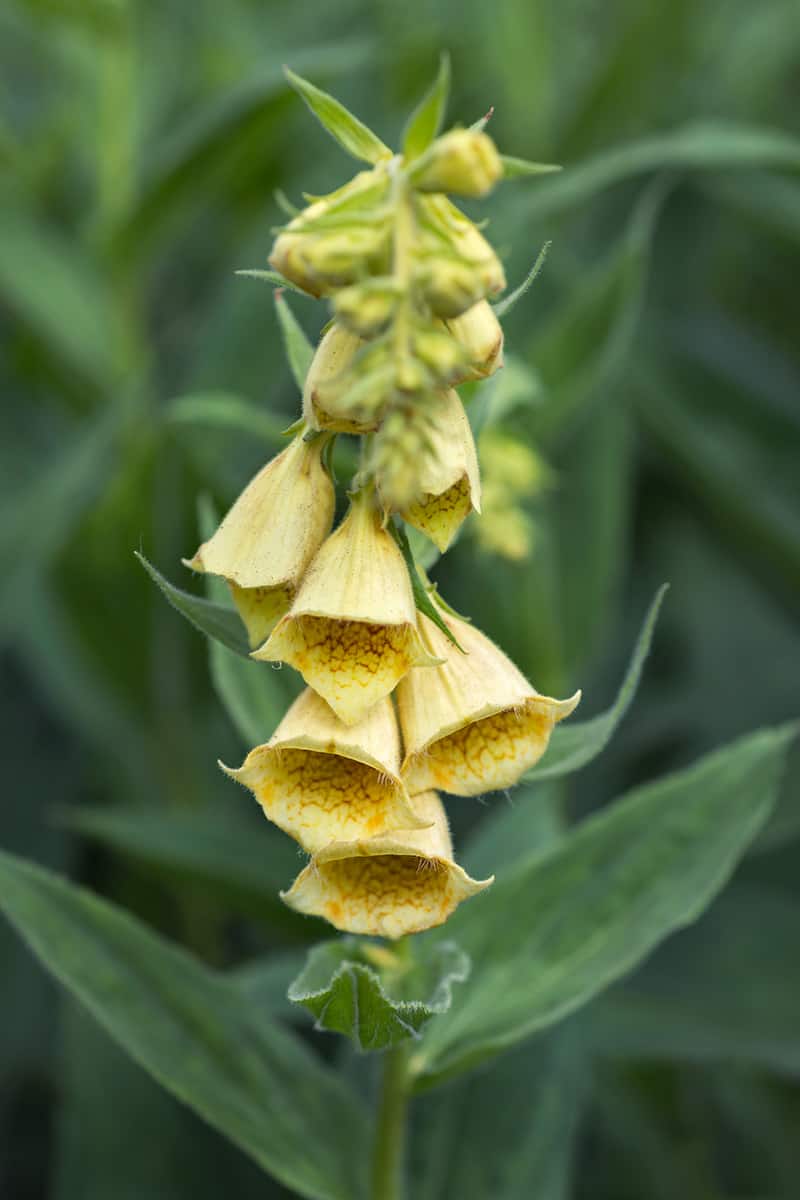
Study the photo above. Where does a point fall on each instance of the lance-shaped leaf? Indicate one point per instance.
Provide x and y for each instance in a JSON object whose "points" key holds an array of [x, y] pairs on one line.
{"points": [[520, 168], [272, 277], [299, 350], [426, 120], [195, 1032], [508, 302], [555, 930], [340, 985], [351, 134], [217, 621], [573, 746], [226, 410]]}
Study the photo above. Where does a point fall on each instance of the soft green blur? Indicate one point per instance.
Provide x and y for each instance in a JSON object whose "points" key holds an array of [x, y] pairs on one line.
{"points": [[141, 149]]}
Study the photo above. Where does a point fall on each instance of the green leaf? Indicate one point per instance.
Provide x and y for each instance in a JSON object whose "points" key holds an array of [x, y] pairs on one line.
{"points": [[508, 1135], [574, 745], [217, 621], [255, 696], [299, 350], [554, 931], [225, 410], [723, 991], [195, 1033], [245, 862], [520, 168], [531, 822], [508, 302], [700, 146], [274, 278], [426, 120], [340, 986], [351, 134], [422, 598]]}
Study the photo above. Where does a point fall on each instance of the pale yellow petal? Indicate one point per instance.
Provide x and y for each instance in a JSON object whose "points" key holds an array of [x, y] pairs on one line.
{"points": [[474, 723], [276, 525], [387, 887], [261, 608], [449, 478], [332, 359], [352, 630], [324, 782], [479, 332]]}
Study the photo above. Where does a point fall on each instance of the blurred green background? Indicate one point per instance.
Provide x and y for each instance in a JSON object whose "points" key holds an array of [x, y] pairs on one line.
{"points": [[654, 367]]}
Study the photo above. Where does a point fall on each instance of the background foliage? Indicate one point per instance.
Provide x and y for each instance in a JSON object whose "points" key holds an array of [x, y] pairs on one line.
{"points": [[141, 147]]}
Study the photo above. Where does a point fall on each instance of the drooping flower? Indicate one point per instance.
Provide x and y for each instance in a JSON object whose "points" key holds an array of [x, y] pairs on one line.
{"points": [[324, 782], [330, 365], [270, 535], [448, 476], [352, 629], [474, 723], [478, 331], [387, 886]]}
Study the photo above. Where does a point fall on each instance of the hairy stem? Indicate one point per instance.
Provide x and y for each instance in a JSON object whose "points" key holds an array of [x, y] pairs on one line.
{"points": [[390, 1134]]}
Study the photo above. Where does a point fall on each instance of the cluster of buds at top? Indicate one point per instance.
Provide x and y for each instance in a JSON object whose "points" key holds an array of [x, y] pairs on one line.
{"points": [[400, 702]]}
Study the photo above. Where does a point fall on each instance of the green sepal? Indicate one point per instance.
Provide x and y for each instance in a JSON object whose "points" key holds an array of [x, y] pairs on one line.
{"points": [[421, 595], [273, 277], [218, 621], [299, 350], [351, 134], [481, 123], [507, 303], [378, 1008], [426, 120], [521, 168]]}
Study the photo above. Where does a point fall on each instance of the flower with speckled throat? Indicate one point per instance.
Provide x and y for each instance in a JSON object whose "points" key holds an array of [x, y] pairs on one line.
{"points": [[388, 886], [352, 629], [323, 782], [474, 723], [270, 535]]}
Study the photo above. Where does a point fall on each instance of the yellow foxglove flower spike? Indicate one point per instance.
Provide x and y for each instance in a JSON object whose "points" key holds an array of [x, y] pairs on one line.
{"points": [[448, 475], [352, 629], [270, 535], [323, 782], [474, 723], [387, 886]]}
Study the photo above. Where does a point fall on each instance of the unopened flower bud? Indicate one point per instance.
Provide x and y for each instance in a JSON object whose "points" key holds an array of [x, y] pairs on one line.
{"points": [[459, 267], [352, 629], [270, 535], [387, 886], [447, 477], [322, 781], [337, 239], [478, 331], [463, 161], [366, 308], [443, 356], [473, 724], [328, 374]]}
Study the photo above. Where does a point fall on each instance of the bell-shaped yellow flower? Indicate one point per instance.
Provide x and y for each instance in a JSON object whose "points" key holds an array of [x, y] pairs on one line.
{"points": [[270, 535], [448, 477], [387, 886], [352, 629], [474, 723], [324, 782]]}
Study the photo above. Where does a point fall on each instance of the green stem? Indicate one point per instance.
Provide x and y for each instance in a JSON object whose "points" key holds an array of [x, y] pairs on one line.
{"points": [[390, 1135]]}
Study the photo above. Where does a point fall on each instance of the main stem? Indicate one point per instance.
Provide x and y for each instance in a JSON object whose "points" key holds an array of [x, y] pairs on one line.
{"points": [[390, 1135]]}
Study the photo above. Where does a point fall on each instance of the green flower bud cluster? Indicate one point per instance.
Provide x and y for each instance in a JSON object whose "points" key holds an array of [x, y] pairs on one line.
{"points": [[408, 277]]}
